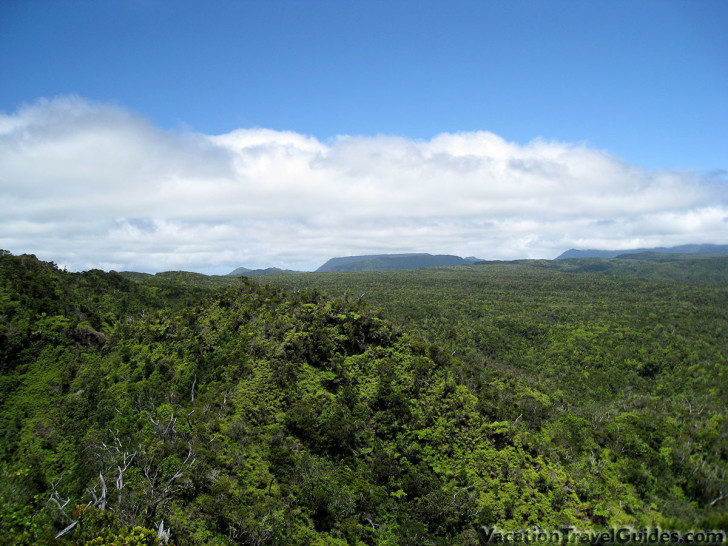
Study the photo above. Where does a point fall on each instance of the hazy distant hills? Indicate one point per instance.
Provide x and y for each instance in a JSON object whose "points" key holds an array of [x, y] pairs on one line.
{"points": [[390, 262], [244, 271], [682, 249], [373, 262]]}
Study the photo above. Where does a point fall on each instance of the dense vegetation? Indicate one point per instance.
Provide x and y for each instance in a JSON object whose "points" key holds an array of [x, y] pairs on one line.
{"points": [[615, 368], [510, 394]]}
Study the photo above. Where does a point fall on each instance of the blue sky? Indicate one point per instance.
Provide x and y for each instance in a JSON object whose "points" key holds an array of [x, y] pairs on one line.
{"points": [[644, 84]]}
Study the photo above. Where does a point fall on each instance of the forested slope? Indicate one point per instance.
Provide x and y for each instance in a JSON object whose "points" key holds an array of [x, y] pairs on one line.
{"points": [[617, 369], [244, 415], [501, 395]]}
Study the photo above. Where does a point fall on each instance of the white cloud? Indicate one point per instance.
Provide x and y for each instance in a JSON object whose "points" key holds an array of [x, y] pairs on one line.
{"points": [[92, 185]]}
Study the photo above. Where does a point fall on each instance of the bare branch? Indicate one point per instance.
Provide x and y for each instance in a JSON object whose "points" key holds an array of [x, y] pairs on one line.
{"points": [[721, 496], [162, 533], [56, 499], [458, 492], [67, 530], [184, 467], [126, 462], [103, 491]]}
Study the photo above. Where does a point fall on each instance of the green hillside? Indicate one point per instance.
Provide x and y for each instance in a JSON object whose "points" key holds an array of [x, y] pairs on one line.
{"points": [[607, 362], [237, 412]]}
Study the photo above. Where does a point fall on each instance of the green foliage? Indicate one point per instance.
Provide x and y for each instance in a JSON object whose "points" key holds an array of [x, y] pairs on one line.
{"points": [[613, 368], [104, 528], [23, 518], [236, 412]]}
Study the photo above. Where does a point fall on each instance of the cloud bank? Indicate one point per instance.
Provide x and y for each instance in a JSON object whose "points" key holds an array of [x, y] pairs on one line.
{"points": [[90, 185]]}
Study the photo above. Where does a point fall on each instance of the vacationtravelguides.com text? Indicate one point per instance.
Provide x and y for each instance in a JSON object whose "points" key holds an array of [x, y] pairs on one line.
{"points": [[617, 535]]}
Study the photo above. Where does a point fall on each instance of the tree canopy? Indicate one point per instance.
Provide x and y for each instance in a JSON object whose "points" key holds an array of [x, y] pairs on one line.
{"points": [[402, 407]]}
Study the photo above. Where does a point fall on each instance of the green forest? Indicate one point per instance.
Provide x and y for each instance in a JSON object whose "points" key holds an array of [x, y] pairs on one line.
{"points": [[380, 407]]}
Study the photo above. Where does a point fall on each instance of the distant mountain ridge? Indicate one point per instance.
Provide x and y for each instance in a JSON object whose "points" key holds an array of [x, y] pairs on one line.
{"points": [[417, 260], [244, 271], [390, 262], [682, 249]]}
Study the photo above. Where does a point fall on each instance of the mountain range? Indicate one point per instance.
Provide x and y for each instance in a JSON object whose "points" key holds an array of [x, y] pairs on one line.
{"points": [[372, 262], [682, 249], [244, 271], [391, 262]]}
